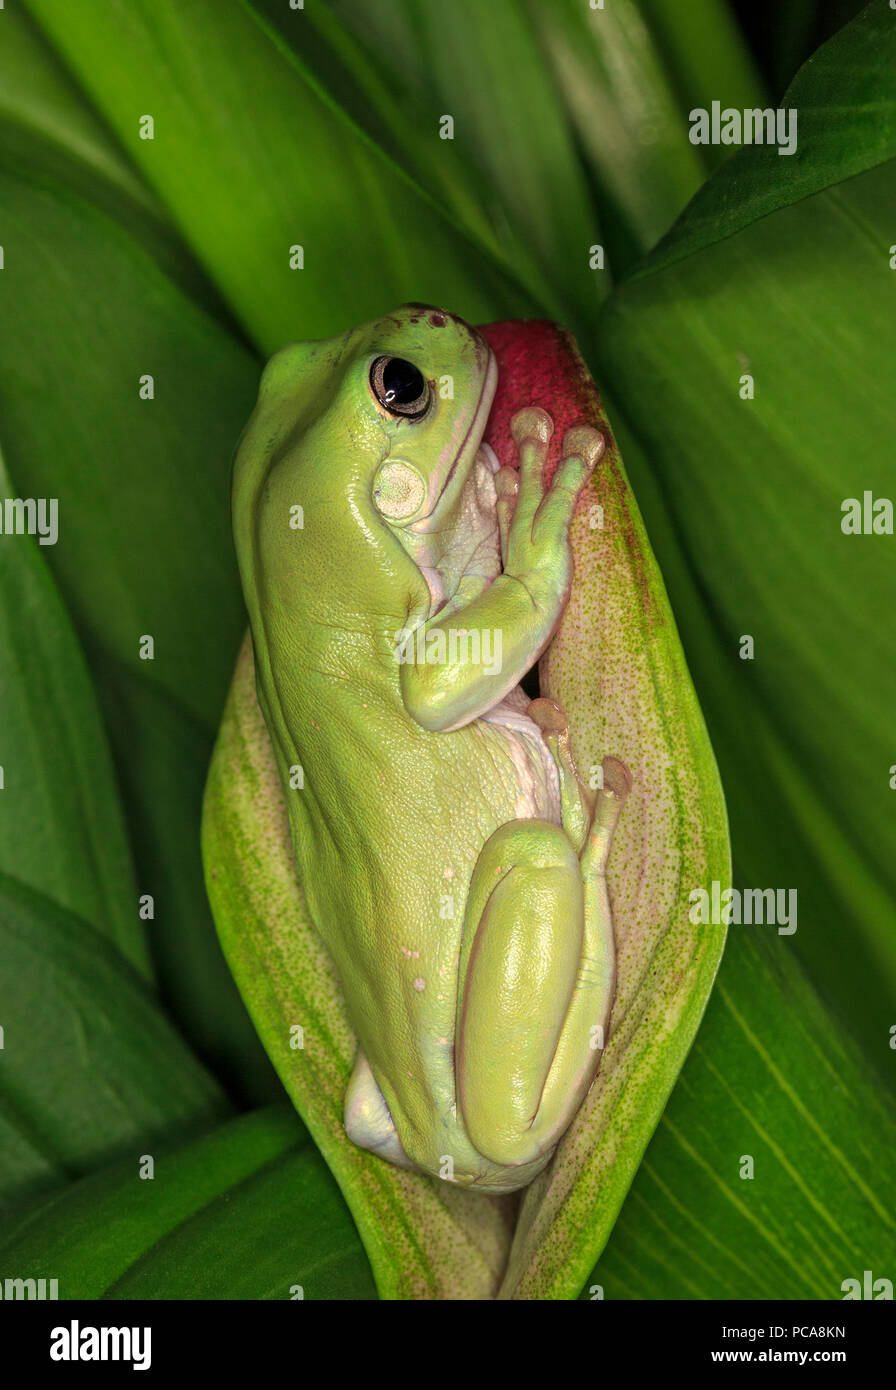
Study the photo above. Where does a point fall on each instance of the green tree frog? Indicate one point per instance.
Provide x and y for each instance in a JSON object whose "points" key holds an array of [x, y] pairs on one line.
{"points": [[400, 584]]}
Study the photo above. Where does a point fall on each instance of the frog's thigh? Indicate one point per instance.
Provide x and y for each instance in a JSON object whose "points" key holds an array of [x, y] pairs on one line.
{"points": [[520, 959], [368, 1119]]}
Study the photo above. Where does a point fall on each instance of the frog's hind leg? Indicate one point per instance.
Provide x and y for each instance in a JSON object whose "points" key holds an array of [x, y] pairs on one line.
{"points": [[537, 979], [520, 957], [368, 1119]]}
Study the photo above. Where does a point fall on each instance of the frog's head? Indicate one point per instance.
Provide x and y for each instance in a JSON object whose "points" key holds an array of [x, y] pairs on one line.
{"points": [[361, 485]]}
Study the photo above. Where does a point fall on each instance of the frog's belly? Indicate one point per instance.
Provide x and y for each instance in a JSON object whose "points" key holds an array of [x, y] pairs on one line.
{"points": [[537, 783]]}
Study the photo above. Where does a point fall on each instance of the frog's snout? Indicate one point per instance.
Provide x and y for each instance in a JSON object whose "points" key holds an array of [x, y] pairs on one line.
{"points": [[437, 317]]}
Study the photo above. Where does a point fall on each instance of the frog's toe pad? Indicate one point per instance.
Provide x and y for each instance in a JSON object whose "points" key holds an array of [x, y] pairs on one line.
{"points": [[368, 1120], [548, 715], [531, 423], [617, 778], [585, 443]]}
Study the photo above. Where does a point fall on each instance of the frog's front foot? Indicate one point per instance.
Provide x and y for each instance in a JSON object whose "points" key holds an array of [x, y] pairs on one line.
{"points": [[368, 1119], [534, 517]]}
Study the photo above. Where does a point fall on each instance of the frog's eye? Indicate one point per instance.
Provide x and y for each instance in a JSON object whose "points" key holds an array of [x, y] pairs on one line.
{"points": [[400, 387]]}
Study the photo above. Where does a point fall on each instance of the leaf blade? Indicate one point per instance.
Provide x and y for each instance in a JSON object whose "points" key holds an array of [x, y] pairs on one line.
{"points": [[92, 1234], [785, 574], [250, 88], [792, 1093], [846, 125], [61, 829], [91, 1066]]}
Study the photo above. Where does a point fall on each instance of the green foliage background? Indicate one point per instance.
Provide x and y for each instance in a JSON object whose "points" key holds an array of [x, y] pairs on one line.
{"points": [[170, 256]]}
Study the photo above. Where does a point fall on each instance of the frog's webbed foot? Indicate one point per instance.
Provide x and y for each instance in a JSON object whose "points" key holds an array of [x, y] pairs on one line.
{"points": [[615, 787], [575, 803], [368, 1119], [534, 517], [578, 806]]}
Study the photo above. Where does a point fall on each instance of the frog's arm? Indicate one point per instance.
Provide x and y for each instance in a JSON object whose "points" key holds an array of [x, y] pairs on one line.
{"points": [[478, 653]]}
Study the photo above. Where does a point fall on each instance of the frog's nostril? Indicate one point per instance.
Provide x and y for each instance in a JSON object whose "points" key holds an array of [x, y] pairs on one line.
{"points": [[437, 317]]}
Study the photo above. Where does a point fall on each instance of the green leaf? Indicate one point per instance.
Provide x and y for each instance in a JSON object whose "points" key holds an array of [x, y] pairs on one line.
{"points": [[91, 1068], [803, 301], [144, 547], [144, 541], [283, 1229], [26, 1170], [46, 124], [844, 100], [471, 63], [38, 96], [244, 189], [706, 57], [625, 113], [95, 1231], [423, 1240], [61, 829], [368, 76], [769, 1080]]}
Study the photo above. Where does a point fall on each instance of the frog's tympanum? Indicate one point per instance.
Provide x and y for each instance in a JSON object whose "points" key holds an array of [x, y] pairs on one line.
{"points": [[400, 584]]}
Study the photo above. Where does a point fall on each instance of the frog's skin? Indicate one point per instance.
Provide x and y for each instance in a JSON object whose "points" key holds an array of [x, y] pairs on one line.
{"points": [[452, 860]]}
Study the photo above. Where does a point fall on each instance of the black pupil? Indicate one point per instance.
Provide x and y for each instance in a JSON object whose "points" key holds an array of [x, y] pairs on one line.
{"points": [[403, 383]]}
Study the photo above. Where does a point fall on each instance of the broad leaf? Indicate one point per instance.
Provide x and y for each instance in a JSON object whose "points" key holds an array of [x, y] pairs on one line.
{"points": [[468, 63], [120, 1223], [804, 727], [91, 1067], [706, 57], [144, 549], [226, 161], [46, 124], [846, 123], [282, 1233], [612, 79], [139, 552], [770, 1174], [61, 829], [363, 66]]}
